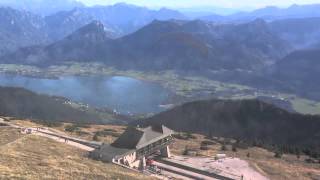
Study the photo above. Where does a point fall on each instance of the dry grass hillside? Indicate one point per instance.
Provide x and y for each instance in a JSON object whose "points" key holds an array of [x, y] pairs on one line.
{"points": [[288, 167], [34, 157]]}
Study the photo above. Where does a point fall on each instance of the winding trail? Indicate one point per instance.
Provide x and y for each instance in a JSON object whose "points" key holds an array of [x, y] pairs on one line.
{"points": [[59, 137]]}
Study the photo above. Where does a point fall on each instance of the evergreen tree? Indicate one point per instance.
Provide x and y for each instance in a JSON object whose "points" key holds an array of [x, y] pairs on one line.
{"points": [[234, 148], [223, 147]]}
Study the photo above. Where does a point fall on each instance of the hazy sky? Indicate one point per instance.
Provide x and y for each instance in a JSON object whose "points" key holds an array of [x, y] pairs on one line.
{"points": [[192, 3]]}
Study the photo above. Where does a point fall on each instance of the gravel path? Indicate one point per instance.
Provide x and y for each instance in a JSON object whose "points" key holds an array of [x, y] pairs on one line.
{"points": [[54, 136], [62, 140]]}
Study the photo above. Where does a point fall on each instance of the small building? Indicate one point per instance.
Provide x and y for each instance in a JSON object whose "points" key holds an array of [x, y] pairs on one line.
{"points": [[134, 145], [27, 131], [220, 156]]}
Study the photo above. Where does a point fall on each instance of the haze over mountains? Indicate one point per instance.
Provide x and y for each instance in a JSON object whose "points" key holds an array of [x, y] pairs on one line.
{"points": [[182, 45], [22, 28], [269, 13], [19, 29], [300, 70], [262, 42], [300, 32], [122, 19], [270, 54], [42, 7]]}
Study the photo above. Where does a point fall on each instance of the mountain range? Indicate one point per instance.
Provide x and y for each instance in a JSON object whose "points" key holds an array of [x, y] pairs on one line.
{"points": [[129, 37], [21, 28], [300, 71], [269, 13], [122, 19], [301, 33], [42, 7], [180, 45], [128, 18]]}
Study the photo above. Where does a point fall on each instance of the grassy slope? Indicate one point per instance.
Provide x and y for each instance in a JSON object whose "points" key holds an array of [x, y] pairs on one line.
{"points": [[22, 103], [8, 135], [289, 167], [33, 157]]}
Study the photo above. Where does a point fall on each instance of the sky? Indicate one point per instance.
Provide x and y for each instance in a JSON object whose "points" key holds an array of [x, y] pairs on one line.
{"points": [[236, 4]]}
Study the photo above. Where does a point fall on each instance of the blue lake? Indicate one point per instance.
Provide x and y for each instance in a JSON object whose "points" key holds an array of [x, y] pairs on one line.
{"points": [[126, 95]]}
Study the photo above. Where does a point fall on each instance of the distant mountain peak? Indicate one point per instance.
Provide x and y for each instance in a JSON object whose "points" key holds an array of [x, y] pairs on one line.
{"points": [[271, 7], [122, 4], [294, 6], [42, 7], [92, 31], [125, 5], [96, 24], [157, 26], [259, 21]]}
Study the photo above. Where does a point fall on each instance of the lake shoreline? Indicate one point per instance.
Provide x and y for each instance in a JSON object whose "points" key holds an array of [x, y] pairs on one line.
{"points": [[182, 88], [121, 94]]}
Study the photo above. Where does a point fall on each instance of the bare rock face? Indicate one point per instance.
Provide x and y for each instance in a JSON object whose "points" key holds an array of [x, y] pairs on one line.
{"points": [[20, 29]]}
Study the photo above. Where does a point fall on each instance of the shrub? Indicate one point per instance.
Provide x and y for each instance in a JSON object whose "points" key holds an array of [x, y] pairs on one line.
{"points": [[189, 135], [184, 136], [180, 136], [206, 143], [71, 128], [3, 124], [48, 123], [95, 137], [81, 133], [204, 148], [107, 132], [224, 147], [278, 154], [185, 151], [310, 160], [234, 148], [82, 125]]}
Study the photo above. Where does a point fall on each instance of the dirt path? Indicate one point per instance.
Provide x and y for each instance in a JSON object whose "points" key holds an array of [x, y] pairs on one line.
{"points": [[69, 142], [54, 136], [183, 173]]}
